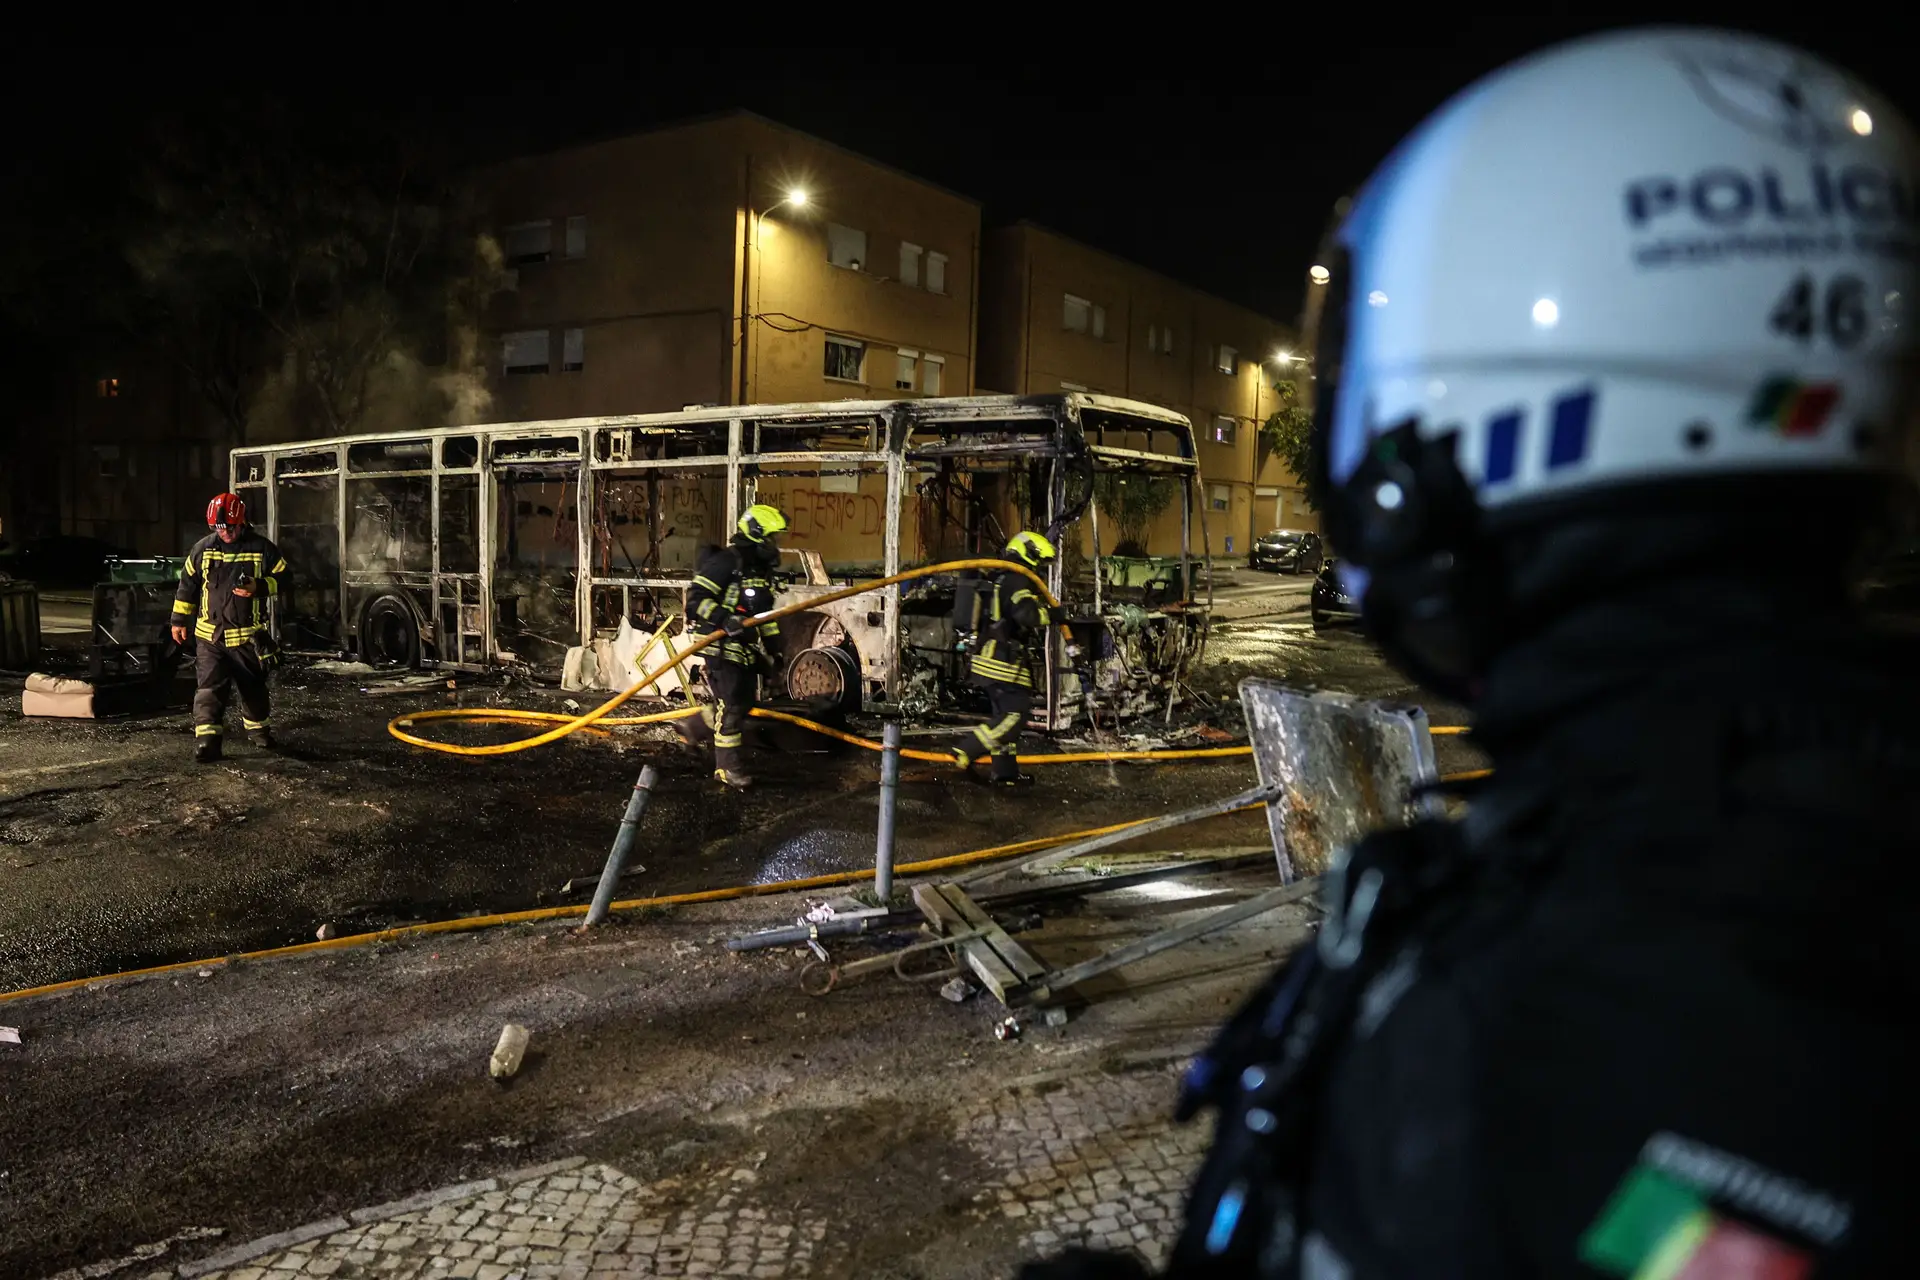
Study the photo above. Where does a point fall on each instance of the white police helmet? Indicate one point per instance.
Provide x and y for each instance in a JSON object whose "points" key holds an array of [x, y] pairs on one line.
{"points": [[1642, 257]]}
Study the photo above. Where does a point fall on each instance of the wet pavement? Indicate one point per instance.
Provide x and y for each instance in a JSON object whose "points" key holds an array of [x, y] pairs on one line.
{"points": [[117, 852]]}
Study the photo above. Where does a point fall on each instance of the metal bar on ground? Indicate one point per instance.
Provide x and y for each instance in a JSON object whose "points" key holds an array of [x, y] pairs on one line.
{"points": [[1244, 856], [889, 786], [1050, 986], [622, 845], [1213, 808]]}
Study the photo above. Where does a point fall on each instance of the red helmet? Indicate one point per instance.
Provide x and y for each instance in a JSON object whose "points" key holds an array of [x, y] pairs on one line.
{"points": [[226, 510]]}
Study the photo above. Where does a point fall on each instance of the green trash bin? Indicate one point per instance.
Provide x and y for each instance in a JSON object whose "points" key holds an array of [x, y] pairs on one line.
{"points": [[158, 569], [1157, 579]]}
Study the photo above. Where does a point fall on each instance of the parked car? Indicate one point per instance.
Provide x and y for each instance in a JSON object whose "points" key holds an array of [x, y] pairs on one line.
{"points": [[1330, 603], [63, 560], [1288, 551]]}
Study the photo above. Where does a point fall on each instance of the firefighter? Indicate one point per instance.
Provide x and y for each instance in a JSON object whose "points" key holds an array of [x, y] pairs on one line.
{"points": [[732, 584], [224, 587], [1014, 618], [1641, 1011]]}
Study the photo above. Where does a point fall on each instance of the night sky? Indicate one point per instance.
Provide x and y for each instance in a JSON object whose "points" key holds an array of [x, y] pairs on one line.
{"points": [[1214, 162]]}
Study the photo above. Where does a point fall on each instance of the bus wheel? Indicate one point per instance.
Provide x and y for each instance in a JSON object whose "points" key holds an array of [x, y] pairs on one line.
{"points": [[389, 633]]}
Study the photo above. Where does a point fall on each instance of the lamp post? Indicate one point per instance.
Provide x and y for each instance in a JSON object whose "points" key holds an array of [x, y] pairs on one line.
{"points": [[1283, 358], [795, 197]]}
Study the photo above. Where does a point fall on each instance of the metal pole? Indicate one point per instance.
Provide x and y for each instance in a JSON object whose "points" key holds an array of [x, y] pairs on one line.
{"points": [[622, 845], [1212, 808], [889, 784]]}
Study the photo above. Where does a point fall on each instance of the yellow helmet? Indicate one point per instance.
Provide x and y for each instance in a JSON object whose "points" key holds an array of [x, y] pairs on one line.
{"points": [[762, 522], [1030, 549]]}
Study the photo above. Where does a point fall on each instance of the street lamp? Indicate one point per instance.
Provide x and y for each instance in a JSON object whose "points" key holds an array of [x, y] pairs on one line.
{"points": [[797, 197], [1319, 274]]}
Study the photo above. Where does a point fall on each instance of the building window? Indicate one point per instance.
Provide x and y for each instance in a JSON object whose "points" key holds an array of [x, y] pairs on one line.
{"points": [[1219, 497], [1226, 359], [1153, 337], [1223, 429], [577, 237], [846, 359], [846, 246], [526, 352], [933, 371], [109, 460], [573, 350], [904, 369], [910, 263], [1099, 321], [109, 388], [529, 242], [1077, 314], [936, 273], [1161, 340]]}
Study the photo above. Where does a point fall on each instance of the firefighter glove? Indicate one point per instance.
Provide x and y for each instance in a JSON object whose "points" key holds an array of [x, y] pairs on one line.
{"points": [[734, 624]]}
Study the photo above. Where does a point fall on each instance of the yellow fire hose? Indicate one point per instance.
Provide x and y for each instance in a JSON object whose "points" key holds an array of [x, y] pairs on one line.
{"points": [[560, 913], [599, 717]]}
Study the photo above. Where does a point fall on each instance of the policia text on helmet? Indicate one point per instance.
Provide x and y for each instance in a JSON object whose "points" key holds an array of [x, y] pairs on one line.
{"points": [[1011, 620], [733, 583], [1618, 371]]}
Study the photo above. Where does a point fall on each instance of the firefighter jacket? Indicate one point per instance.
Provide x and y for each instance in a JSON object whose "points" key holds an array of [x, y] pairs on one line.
{"points": [[205, 593], [735, 579], [1012, 619]]}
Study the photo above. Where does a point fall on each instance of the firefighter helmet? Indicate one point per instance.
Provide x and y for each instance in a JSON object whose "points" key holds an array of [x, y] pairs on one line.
{"points": [[226, 511], [1030, 548], [762, 522]]}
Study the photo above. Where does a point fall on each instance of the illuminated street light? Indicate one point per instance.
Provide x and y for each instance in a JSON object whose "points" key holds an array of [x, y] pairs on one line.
{"points": [[797, 198], [1283, 357], [1862, 122], [1319, 274]]}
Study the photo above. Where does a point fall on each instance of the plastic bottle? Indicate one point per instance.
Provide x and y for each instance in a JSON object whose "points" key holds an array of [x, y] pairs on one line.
{"points": [[507, 1054]]}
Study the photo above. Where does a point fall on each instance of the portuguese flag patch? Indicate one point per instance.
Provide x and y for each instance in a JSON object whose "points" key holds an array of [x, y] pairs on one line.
{"points": [[1657, 1228]]}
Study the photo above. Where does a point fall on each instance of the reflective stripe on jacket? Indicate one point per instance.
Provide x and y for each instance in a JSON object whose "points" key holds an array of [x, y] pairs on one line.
{"points": [[725, 583], [1014, 613], [205, 591]]}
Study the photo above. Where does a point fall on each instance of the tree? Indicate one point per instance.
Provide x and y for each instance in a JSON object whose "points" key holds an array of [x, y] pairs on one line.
{"points": [[1131, 500], [310, 281], [1288, 432]]}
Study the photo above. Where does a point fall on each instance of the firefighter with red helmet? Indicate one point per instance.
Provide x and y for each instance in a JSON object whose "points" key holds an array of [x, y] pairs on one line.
{"points": [[224, 587]]}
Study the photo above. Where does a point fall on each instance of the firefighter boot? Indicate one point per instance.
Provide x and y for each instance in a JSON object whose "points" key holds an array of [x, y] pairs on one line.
{"points": [[727, 768], [261, 738], [695, 730], [206, 748], [1006, 771]]}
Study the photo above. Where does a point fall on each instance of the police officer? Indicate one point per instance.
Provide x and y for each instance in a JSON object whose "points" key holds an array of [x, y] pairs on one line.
{"points": [[228, 577], [1013, 621], [733, 583], [1623, 379]]}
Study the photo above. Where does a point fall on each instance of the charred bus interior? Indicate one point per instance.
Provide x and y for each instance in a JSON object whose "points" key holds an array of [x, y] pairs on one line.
{"points": [[533, 544]]}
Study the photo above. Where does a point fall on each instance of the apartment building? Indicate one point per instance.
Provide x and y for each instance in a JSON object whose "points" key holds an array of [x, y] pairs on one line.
{"points": [[1058, 315], [731, 260], [116, 444]]}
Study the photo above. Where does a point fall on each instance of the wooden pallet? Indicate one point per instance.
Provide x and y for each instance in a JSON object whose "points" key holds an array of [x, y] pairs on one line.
{"points": [[1004, 966]]}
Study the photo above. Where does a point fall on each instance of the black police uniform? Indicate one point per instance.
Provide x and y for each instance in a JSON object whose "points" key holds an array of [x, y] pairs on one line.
{"points": [[235, 645], [1642, 1012], [735, 581], [1014, 618]]}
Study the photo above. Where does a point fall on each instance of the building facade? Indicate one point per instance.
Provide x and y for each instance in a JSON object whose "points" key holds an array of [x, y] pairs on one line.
{"points": [[121, 447], [1058, 315], [727, 261]]}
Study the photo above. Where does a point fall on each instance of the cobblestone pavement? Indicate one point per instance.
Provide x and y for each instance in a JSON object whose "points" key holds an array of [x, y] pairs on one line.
{"points": [[1088, 1159]]}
